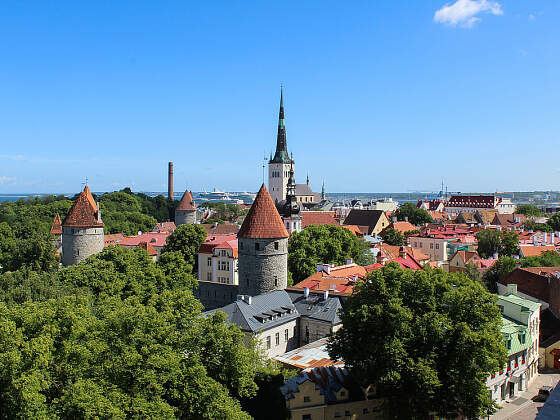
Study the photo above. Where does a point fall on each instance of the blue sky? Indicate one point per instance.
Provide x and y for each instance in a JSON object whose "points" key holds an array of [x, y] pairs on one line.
{"points": [[380, 96]]}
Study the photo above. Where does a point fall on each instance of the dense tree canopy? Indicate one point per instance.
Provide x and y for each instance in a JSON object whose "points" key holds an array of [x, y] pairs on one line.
{"points": [[534, 226], [322, 244], [392, 236], [546, 259], [415, 215], [427, 340], [528, 210], [554, 222], [225, 211], [491, 241], [186, 239], [116, 336]]}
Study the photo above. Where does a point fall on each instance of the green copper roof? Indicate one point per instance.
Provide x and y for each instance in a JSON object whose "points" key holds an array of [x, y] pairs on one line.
{"points": [[513, 331], [518, 300]]}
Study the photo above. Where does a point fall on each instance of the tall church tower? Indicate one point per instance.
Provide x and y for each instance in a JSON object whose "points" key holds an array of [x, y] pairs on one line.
{"points": [[279, 165]]}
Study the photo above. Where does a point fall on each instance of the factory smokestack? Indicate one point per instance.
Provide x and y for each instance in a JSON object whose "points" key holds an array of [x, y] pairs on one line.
{"points": [[170, 181]]}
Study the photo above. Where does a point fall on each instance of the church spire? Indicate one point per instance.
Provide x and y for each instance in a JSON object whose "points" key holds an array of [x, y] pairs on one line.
{"points": [[281, 155]]}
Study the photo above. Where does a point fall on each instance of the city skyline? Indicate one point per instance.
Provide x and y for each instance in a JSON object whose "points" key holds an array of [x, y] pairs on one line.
{"points": [[378, 98]]}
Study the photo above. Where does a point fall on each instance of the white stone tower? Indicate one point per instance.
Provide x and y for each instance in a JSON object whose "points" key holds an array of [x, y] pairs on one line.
{"points": [[82, 230], [279, 165], [263, 248]]}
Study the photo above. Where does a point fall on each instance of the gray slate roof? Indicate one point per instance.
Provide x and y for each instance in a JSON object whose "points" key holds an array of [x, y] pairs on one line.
{"points": [[246, 316], [315, 307]]}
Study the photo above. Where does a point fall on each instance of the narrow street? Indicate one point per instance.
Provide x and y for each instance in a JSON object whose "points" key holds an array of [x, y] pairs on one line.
{"points": [[523, 407]]}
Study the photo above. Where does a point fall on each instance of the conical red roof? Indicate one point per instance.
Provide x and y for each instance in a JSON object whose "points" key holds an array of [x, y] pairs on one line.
{"points": [[263, 220], [56, 228], [82, 213], [89, 196], [187, 202]]}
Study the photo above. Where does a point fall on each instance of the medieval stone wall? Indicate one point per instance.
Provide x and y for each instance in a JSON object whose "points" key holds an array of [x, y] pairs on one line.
{"points": [[80, 243], [263, 265], [215, 295], [185, 217]]}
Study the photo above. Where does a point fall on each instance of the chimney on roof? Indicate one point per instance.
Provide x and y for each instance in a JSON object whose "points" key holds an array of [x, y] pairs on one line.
{"points": [[402, 252], [170, 181], [248, 299], [325, 295], [512, 289], [306, 292], [406, 218], [394, 219], [349, 261]]}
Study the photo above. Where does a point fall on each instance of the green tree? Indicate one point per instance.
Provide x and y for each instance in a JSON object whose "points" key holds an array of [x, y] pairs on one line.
{"points": [[488, 242], [546, 259], [509, 243], [63, 359], [528, 210], [499, 270], [534, 226], [472, 272], [554, 222], [415, 215], [427, 340], [322, 244], [187, 240], [392, 236]]}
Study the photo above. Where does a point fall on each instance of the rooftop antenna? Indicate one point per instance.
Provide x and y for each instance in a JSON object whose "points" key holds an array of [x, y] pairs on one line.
{"points": [[85, 183], [264, 164]]}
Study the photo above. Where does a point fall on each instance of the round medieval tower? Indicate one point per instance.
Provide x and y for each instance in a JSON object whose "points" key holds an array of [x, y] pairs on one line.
{"points": [[185, 213], [82, 230], [263, 248]]}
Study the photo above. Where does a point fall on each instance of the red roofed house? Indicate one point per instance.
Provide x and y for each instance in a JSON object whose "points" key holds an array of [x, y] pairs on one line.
{"points": [[341, 279], [401, 255], [217, 259], [82, 230], [165, 227], [113, 239], [56, 231], [149, 249], [461, 258], [318, 218], [154, 239], [534, 251], [471, 203]]}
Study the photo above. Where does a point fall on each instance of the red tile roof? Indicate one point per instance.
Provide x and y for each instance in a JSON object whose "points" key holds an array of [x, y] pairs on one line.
{"points": [[263, 220], [318, 218], [90, 198], [535, 251], [145, 245], [113, 239], [56, 228], [341, 279], [220, 229], [153, 238], [83, 213], [165, 227], [356, 230], [473, 201], [219, 242], [187, 202]]}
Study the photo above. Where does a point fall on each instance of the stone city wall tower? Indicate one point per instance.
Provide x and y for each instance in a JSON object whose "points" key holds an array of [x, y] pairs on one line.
{"points": [[263, 248], [185, 213], [82, 230]]}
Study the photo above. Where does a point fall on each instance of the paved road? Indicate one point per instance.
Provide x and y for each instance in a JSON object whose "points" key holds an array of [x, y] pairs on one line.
{"points": [[523, 408]]}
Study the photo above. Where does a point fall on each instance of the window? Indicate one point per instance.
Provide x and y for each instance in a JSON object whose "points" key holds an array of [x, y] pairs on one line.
{"points": [[343, 393], [522, 338], [268, 342], [306, 417], [347, 413], [209, 262], [431, 246], [276, 245], [286, 335], [508, 344], [437, 246], [275, 280], [277, 338], [241, 245], [306, 399], [209, 276], [366, 410], [257, 246]]}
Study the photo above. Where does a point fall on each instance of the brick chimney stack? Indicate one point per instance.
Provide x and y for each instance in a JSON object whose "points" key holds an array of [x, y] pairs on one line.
{"points": [[170, 181]]}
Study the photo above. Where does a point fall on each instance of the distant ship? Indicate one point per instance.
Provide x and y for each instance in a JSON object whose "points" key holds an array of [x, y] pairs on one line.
{"points": [[217, 196]]}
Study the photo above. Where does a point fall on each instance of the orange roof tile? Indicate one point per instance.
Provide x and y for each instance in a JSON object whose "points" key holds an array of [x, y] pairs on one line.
{"points": [[56, 228], [263, 220], [317, 218], [187, 202], [82, 213], [354, 229], [535, 251], [145, 245]]}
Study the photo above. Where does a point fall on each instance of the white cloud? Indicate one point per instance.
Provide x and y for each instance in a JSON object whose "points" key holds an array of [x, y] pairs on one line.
{"points": [[464, 12], [7, 179], [531, 17]]}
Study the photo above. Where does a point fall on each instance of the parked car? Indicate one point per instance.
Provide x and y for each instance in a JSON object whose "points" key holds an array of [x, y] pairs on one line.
{"points": [[543, 394]]}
